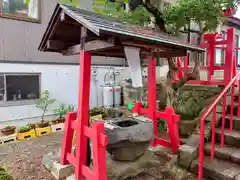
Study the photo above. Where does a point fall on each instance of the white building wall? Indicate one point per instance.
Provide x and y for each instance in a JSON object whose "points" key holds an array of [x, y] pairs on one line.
{"points": [[62, 83]]}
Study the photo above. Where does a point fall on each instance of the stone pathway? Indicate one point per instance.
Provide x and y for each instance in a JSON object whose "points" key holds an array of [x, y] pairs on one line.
{"points": [[24, 161]]}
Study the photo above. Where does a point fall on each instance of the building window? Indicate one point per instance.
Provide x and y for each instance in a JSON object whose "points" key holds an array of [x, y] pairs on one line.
{"points": [[17, 87], [237, 44], [18, 9], [220, 52]]}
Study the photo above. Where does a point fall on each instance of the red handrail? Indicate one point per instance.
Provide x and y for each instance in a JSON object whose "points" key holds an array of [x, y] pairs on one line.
{"points": [[212, 108]]}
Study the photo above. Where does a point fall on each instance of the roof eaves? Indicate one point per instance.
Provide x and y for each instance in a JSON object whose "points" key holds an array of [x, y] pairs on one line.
{"points": [[80, 19], [189, 47], [49, 27]]}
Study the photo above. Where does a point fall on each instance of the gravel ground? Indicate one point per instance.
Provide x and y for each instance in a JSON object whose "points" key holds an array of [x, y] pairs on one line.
{"points": [[24, 161]]}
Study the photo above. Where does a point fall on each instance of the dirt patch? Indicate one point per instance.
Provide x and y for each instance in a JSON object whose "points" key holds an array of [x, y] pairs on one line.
{"points": [[24, 161]]}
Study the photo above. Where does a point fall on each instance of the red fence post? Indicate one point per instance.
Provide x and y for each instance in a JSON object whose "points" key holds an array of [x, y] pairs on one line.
{"points": [[152, 95], [228, 72], [172, 121], [83, 112], [99, 152], [68, 136]]}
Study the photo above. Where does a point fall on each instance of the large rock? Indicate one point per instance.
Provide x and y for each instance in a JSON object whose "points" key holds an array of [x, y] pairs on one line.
{"points": [[128, 139], [118, 170]]}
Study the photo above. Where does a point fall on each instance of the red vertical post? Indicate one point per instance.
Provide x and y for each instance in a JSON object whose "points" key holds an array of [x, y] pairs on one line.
{"points": [[99, 152], [152, 95], [68, 136], [238, 83], [223, 118], [172, 128], [83, 112], [228, 72], [211, 56], [232, 107], [214, 118]]}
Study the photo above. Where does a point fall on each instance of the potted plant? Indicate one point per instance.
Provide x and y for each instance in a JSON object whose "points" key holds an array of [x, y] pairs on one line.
{"points": [[26, 132], [31, 125], [9, 130], [70, 108], [58, 124], [43, 103], [60, 112]]}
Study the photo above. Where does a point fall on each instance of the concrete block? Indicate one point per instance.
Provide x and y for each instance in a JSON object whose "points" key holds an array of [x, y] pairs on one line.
{"points": [[59, 171], [193, 140], [8, 139], [57, 127], [186, 155]]}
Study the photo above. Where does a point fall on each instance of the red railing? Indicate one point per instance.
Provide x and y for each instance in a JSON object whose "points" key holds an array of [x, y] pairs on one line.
{"points": [[212, 108], [151, 111], [99, 141]]}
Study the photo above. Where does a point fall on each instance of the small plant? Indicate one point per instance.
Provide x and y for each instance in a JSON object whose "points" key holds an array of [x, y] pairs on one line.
{"points": [[70, 108], [61, 111], [8, 130], [43, 103], [25, 129], [4, 175]]}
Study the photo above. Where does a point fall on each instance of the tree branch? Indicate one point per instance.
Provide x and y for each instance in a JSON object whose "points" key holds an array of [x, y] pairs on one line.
{"points": [[160, 22]]}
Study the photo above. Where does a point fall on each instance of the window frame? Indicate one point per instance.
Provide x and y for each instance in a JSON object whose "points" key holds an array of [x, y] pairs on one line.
{"points": [[5, 102], [14, 17]]}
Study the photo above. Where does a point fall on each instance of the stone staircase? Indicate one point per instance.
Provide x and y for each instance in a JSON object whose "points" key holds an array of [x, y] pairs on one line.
{"points": [[226, 165]]}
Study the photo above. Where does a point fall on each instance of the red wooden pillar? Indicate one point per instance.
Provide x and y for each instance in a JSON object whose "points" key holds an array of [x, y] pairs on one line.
{"points": [[67, 138], [83, 112], [211, 56], [229, 57], [152, 96]]}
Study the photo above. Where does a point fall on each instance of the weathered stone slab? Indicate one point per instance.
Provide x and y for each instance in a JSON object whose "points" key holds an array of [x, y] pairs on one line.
{"points": [[231, 138], [186, 155], [217, 169], [236, 122], [118, 170], [221, 153], [235, 156], [193, 140]]}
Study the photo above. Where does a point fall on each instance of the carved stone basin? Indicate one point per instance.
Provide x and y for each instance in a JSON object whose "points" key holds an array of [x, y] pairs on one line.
{"points": [[128, 139]]}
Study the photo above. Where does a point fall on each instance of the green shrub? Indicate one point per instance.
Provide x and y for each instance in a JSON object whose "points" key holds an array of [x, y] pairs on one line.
{"points": [[1, 169], [24, 129], [4, 175]]}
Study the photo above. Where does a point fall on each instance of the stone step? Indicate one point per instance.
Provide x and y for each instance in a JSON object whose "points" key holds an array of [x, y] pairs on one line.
{"points": [[230, 138], [236, 122], [228, 153], [217, 169]]}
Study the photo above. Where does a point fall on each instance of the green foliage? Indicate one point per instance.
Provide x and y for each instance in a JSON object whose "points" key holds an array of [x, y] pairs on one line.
{"points": [[74, 3], [70, 108], [4, 175], [43, 102], [116, 10], [24, 129], [61, 111], [207, 14], [9, 127], [96, 111]]}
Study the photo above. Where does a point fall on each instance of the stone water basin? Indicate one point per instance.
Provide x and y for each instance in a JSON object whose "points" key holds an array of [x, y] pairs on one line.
{"points": [[128, 138]]}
